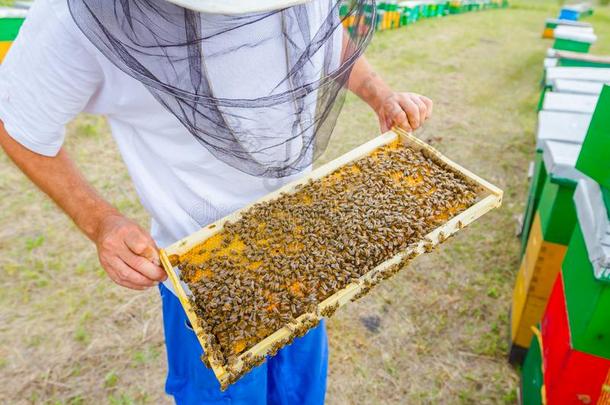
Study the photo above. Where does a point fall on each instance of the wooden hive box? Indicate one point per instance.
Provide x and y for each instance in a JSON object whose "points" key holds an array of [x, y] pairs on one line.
{"points": [[489, 197]]}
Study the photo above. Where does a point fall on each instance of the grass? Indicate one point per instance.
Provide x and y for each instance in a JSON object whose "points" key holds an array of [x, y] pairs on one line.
{"points": [[70, 336]]}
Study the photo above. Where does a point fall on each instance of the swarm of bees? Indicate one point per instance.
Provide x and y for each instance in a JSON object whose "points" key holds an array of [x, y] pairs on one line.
{"points": [[284, 257]]}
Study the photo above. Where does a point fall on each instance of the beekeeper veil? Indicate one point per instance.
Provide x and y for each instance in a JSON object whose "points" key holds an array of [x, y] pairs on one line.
{"points": [[259, 84]]}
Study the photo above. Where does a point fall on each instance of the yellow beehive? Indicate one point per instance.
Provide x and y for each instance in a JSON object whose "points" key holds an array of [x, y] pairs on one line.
{"points": [[539, 268]]}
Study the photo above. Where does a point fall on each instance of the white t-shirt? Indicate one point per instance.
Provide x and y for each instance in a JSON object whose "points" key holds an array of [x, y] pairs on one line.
{"points": [[52, 73]]}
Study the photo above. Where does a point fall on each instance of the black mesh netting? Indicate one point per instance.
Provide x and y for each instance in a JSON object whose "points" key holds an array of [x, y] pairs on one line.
{"points": [[260, 91]]}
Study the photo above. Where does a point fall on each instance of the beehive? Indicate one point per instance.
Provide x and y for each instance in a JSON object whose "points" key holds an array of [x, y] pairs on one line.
{"points": [[348, 250], [554, 220], [578, 59], [572, 375], [532, 377]]}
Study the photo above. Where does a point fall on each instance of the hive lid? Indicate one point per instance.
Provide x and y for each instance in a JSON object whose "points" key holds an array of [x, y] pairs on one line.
{"points": [[572, 30], [577, 86], [566, 102], [560, 159], [580, 7], [593, 219], [570, 23], [561, 126], [585, 57], [580, 34], [591, 74]]}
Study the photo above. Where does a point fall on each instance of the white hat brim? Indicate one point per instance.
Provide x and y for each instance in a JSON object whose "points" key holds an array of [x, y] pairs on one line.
{"points": [[235, 6]]}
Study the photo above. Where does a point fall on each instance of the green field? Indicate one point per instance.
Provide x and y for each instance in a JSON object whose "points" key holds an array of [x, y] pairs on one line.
{"points": [[68, 335]]}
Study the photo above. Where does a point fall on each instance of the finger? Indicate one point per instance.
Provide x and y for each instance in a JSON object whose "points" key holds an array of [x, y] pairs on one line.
{"points": [[422, 109], [143, 266], [142, 245], [410, 108], [396, 117], [127, 276], [429, 105], [400, 119], [389, 122], [383, 125]]}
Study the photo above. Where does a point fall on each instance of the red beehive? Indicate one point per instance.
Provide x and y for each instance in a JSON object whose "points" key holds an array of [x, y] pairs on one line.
{"points": [[570, 376]]}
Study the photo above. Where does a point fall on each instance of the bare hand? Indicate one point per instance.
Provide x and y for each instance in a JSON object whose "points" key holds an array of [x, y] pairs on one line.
{"points": [[128, 253], [406, 110]]}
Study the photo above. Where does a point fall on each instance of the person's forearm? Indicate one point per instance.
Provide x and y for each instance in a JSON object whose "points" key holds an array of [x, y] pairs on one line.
{"points": [[363, 81], [367, 84], [126, 251], [406, 110], [60, 179]]}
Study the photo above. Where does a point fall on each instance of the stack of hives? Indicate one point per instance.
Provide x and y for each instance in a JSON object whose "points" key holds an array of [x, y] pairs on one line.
{"points": [[393, 14], [561, 301], [569, 33], [11, 19]]}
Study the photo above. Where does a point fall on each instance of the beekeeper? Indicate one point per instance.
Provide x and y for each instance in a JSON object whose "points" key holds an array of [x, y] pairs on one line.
{"points": [[213, 104]]}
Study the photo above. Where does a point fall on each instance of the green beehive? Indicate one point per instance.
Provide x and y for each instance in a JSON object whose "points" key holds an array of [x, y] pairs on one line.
{"points": [[590, 89], [423, 10], [594, 159], [455, 7], [532, 377], [404, 16], [556, 206], [586, 272], [552, 125], [573, 39], [568, 103], [556, 22], [596, 62], [417, 10], [533, 197], [549, 236], [576, 59], [442, 8]]}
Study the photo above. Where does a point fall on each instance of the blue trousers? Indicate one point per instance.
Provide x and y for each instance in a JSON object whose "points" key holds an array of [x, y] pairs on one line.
{"points": [[296, 375]]}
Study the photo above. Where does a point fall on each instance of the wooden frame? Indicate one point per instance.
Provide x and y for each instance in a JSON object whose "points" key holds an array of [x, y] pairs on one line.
{"points": [[489, 198]]}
